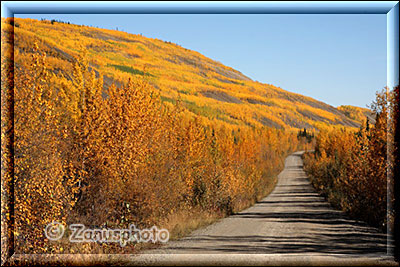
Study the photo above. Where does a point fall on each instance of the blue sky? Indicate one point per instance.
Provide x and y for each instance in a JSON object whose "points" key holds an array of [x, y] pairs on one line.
{"points": [[338, 59]]}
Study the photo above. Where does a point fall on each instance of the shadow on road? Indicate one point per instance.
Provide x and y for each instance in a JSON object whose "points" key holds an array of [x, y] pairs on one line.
{"points": [[333, 243]]}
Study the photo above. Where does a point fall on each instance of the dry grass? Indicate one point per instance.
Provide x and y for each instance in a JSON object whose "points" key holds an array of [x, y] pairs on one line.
{"points": [[184, 222]]}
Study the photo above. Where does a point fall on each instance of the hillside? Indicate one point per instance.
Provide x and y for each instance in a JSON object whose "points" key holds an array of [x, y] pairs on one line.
{"points": [[357, 113], [206, 87]]}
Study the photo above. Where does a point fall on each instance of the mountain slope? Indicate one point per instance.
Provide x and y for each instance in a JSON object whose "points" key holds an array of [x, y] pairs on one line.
{"points": [[206, 87], [357, 113]]}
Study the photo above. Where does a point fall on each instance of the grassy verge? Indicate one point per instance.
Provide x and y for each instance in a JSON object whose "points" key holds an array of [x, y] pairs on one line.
{"points": [[180, 224], [184, 222]]}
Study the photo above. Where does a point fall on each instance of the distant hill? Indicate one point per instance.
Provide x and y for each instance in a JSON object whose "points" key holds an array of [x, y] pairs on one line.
{"points": [[358, 114], [206, 87]]}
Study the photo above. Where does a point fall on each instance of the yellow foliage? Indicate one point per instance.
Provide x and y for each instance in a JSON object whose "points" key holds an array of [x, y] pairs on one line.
{"points": [[350, 167], [172, 69], [125, 157], [107, 141]]}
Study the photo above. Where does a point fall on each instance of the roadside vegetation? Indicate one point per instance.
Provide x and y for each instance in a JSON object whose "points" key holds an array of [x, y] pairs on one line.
{"points": [[351, 168], [110, 157]]}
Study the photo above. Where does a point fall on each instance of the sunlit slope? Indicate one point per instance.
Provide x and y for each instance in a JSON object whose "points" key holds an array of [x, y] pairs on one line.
{"points": [[357, 113], [206, 87]]}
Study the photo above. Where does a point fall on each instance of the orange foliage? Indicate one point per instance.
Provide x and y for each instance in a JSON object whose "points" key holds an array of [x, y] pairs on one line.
{"points": [[350, 167], [112, 156]]}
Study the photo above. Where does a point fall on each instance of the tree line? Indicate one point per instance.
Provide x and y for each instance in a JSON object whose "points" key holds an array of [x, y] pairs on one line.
{"points": [[109, 157], [351, 168]]}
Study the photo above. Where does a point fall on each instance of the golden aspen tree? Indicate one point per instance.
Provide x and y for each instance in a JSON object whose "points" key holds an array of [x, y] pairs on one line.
{"points": [[350, 167], [42, 195]]}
